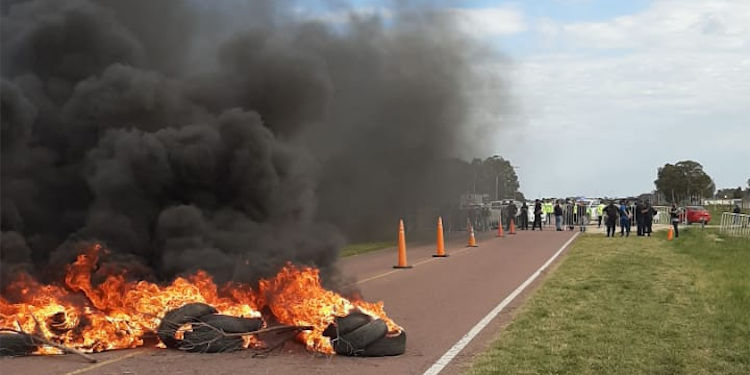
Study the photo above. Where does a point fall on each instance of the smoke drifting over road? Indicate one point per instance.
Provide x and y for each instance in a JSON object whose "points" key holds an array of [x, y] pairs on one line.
{"points": [[184, 139]]}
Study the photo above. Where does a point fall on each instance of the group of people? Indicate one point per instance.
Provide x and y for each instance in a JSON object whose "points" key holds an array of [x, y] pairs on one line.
{"points": [[577, 214], [643, 213], [523, 215]]}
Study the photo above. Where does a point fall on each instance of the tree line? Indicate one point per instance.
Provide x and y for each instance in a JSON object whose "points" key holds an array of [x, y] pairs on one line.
{"points": [[686, 181]]}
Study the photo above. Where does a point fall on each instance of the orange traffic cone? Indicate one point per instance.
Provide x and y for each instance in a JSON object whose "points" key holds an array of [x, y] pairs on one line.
{"points": [[440, 242], [512, 226], [401, 246], [670, 234], [500, 228], [472, 239]]}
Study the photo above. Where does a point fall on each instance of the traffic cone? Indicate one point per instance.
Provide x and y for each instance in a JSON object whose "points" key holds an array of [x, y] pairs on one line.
{"points": [[472, 239], [512, 226], [500, 228], [440, 242], [401, 246], [670, 234]]}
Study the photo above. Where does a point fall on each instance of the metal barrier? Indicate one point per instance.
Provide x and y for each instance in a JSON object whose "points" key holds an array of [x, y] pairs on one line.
{"points": [[735, 224], [662, 215]]}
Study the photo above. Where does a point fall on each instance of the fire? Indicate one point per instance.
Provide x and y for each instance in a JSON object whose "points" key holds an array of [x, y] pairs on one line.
{"points": [[117, 313], [295, 296]]}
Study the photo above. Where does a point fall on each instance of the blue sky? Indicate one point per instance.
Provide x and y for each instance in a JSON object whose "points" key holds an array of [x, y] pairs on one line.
{"points": [[640, 83]]}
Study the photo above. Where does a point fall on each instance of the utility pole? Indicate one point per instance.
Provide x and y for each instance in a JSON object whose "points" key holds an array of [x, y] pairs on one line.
{"points": [[497, 176]]}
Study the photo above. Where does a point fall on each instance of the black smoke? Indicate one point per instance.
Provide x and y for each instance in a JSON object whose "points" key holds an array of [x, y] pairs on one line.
{"points": [[184, 136]]}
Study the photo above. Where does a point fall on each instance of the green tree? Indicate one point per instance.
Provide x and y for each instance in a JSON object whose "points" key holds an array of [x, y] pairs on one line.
{"points": [[684, 181], [496, 177]]}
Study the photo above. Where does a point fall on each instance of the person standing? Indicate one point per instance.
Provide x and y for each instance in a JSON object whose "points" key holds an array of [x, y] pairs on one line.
{"points": [[674, 215], [611, 211], [625, 217], [600, 213], [639, 217], [558, 216], [736, 211], [648, 218], [581, 215], [548, 212], [537, 215], [570, 214], [512, 211], [524, 217]]}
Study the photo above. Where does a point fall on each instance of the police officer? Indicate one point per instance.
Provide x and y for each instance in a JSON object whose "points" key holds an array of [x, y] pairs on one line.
{"points": [[639, 217], [647, 213], [524, 217], [611, 211], [537, 215]]}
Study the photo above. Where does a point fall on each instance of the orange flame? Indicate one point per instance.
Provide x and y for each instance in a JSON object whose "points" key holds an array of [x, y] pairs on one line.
{"points": [[117, 313], [296, 297]]}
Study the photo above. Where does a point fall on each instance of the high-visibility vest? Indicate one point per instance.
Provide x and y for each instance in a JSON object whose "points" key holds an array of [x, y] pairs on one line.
{"points": [[600, 209]]}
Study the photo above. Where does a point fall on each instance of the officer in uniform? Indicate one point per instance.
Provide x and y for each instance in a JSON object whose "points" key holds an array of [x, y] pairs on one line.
{"points": [[537, 215]]}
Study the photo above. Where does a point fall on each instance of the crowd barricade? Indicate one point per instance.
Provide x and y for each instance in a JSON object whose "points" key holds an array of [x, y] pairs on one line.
{"points": [[735, 224]]}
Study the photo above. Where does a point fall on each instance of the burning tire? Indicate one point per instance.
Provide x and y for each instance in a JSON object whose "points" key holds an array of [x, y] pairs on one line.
{"points": [[346, 324], [208, 340], [386, 346], [204, 339], [354, 342], [174, 319], [232, 324], [15, 344]]}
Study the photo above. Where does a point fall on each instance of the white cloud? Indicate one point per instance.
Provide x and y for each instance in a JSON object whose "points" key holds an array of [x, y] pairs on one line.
{"points": [[671, 24], [489, 22], [609, 102]]}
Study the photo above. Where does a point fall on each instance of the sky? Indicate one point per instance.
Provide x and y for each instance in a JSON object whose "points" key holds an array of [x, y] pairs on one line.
{"points": [[604, 92]]}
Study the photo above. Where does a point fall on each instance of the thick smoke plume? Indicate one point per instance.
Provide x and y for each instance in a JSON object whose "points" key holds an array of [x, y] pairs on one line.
{"points": [[186, 138]]}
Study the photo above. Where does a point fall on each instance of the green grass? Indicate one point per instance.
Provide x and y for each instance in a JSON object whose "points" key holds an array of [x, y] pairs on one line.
{"points": [[635, 306], [365, 247]]}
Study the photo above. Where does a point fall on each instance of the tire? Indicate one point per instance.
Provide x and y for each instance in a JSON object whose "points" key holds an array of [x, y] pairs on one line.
{"points": [[16, 344], [174, 319], [354, 342], [232, 324], [386, 346], [207, 340], [347, 324]]}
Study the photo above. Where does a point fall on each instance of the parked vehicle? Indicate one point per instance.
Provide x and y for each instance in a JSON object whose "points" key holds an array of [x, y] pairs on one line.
{"points": [[697, 214]]}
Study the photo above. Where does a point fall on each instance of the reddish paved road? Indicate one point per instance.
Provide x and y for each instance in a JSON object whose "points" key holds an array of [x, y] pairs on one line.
{"points": [[437, 302]]}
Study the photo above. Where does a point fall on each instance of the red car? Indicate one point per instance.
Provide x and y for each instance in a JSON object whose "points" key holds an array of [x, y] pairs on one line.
{"points": [[697, 214]]}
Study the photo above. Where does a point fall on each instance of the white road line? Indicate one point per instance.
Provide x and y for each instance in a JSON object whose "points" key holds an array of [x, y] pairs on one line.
{"points": [[461, 344]]}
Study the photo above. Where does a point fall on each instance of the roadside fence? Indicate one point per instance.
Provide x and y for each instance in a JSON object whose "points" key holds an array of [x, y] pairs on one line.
{"points": [[735, 224]]}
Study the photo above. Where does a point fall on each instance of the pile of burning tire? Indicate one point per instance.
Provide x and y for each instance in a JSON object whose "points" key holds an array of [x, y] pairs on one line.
{"points": [[358, 334]]}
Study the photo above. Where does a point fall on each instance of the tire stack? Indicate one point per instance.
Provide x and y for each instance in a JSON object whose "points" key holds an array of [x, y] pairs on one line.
{"points": [[358, 334], [207, 328]]}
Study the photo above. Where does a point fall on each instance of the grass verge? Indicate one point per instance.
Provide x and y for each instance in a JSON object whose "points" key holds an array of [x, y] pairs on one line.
{"points": [[635, 306], [365, 247]]}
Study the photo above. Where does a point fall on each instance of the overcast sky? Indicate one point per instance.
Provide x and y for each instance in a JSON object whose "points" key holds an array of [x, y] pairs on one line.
{"points": [[606, 91]]}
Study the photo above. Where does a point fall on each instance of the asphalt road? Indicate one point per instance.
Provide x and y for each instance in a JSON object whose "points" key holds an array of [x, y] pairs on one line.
{"points": [[437, 302]]}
